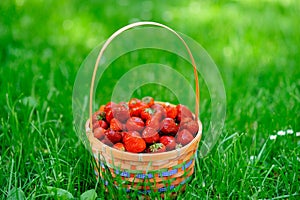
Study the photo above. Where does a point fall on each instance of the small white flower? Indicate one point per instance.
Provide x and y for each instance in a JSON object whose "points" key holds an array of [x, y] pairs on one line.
{"points": [[289, 131], [297, 134], [273, 137], [252, 158], [281, 133]]}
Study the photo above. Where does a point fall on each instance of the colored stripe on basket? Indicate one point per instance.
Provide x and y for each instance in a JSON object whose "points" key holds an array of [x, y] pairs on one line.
{"points": [[186, 180], [151, 174], [161, 190], [187, 165], [169, 173], [143, 176], [122, 173]]}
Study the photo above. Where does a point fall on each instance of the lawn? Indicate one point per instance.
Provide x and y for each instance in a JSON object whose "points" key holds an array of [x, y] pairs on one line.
{"points": [[254, 44]]}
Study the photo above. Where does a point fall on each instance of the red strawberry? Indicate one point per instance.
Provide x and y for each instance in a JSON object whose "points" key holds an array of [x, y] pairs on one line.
{"points": [[136, 110], [113, 136], [133, 142], [98, 115], [135, 124], [103, 124], [171, 111], [183, 112], [100, 123], [168, 141], [147, 113], [115, 125], [99, 133], [130, 134], [157, 148], [106, 141], [109, 116], [150, 135], [148, 100], [159, 110], [184, 137], [168, 126], [121, 111], [190, 124], [154, 122], [119, 146], [108, 106], [133, 102]]}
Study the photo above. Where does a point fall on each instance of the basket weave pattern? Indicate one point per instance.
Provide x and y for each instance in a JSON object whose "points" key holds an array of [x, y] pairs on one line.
{"points": [[163, 170]]}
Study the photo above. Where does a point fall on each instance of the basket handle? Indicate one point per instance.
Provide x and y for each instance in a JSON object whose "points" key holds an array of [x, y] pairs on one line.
{"points": [[110, 39]]}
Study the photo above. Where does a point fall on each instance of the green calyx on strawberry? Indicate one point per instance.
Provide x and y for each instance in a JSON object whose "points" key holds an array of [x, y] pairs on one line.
{"points": [[98, 115], [157, 148], [148, 100], [101, 116]]}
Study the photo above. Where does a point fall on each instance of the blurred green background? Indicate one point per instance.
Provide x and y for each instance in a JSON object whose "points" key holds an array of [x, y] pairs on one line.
{"points": [[255, 44]]}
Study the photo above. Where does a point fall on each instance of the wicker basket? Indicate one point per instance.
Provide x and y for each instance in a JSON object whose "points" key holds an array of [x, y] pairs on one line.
{"points": [[145, 172]]}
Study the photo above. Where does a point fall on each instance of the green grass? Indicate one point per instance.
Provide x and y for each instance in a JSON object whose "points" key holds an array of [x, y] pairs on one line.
{"points": [[255, 44]]}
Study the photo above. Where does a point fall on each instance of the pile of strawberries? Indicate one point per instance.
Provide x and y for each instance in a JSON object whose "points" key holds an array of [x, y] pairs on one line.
{"points": [[144, 126]]}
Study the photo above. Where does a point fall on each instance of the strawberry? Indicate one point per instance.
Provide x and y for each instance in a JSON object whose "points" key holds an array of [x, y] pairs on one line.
{"points": [[100, 123], [121, 111], [135, 124], [183, 112], [148, 100], [119, 146], [98, 120], [171, 111], [98, 115], [103, 124], [150, 135], [109, 116], [113, 136], [133, 142], [133, 102], [147, 113], [115, 125], [159, 110], [99, 133], [168, 141], [106, 141], [136, 110], [157, 148], [108, 106], [130, 134], [154, 122], [184, 137], [190, 124], [168, 126]]}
